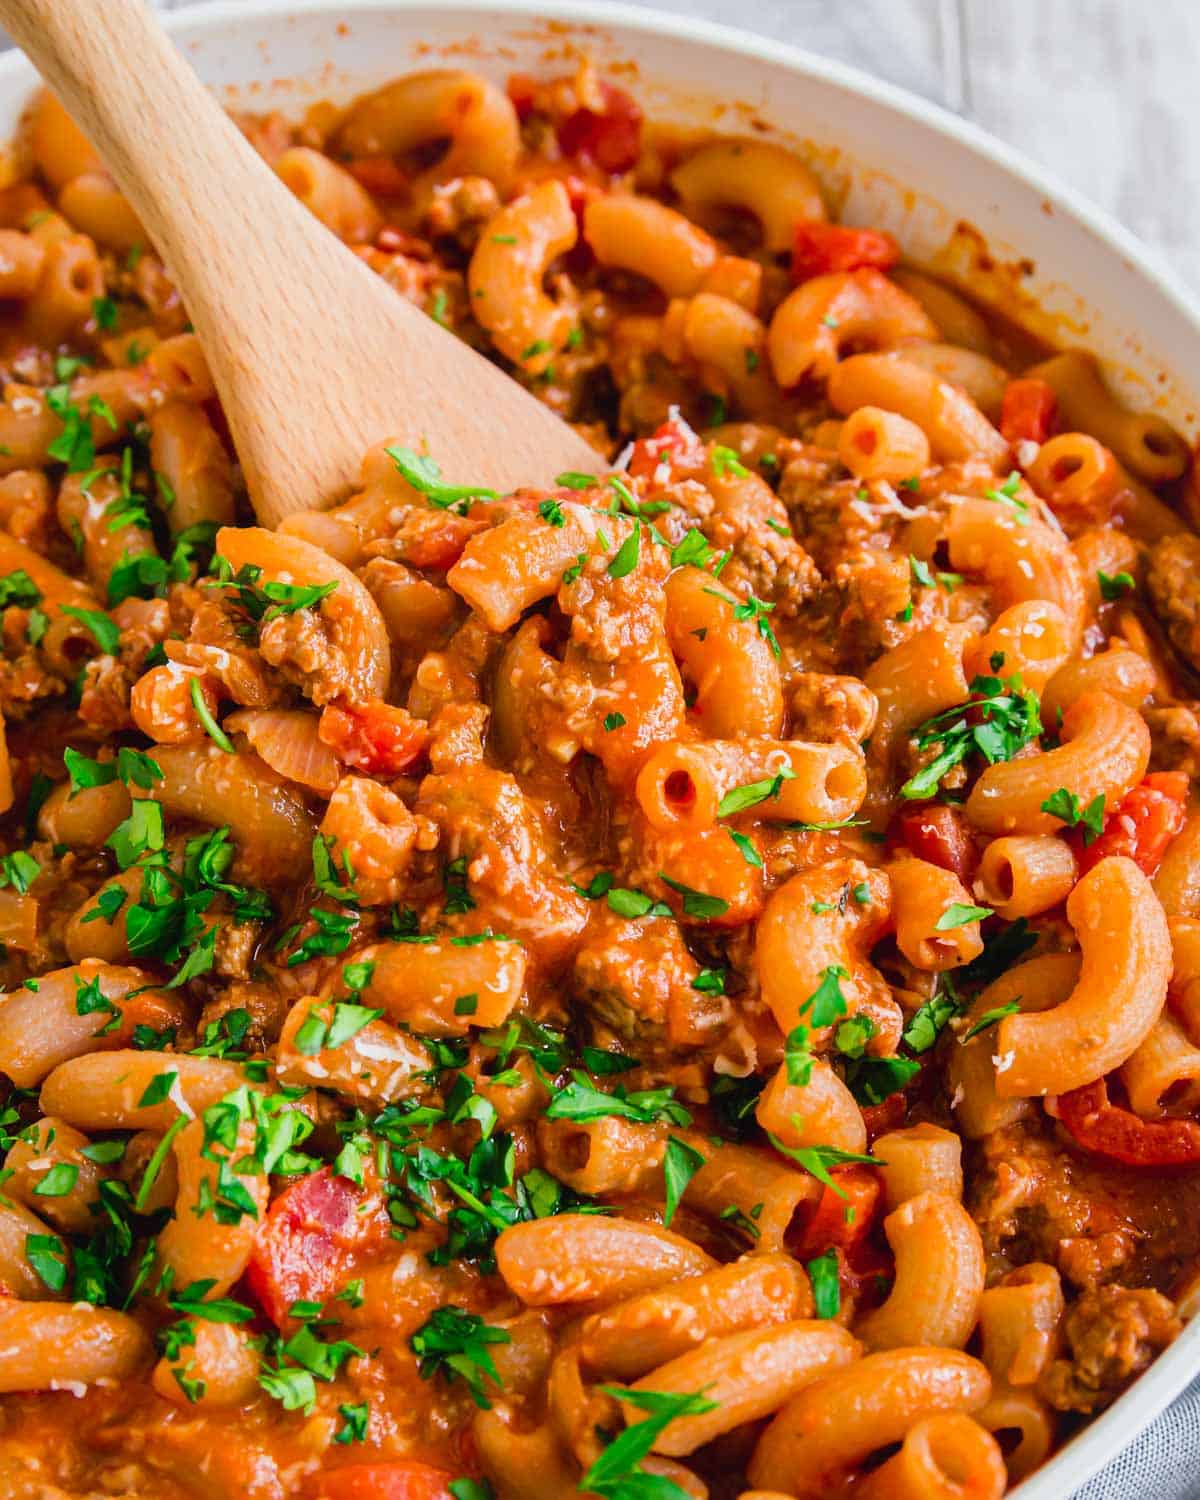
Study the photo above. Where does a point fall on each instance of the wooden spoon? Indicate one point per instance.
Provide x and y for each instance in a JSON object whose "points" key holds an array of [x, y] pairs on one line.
{"points": [[315, 357]]}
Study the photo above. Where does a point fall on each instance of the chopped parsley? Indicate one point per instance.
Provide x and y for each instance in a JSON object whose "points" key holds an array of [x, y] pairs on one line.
{"points": [[47, 1254], [1115, 586], [207, 722], [692, 550], [19, 870], [959, 915], [426, 477], [1006, 494], [817, 1160], [581, 1101], [618, 1474], [626, 558], [103, 630], [991, 1018], [998, 720], [725, 461], [826, 1284], [681, 1162], [695, 903], [18, 588], [753, 792], [754, 609], [454, 1344], [264, 602], [823, 1007], [1065, 806], [930, 1018]]}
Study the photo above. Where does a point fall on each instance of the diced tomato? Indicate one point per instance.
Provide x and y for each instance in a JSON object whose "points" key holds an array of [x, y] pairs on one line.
{"points": [[671, 444], [379, 175], [521, 89], [938, 834], [375, 737], [435, 539], [1122, 1136], [1029, 412], [820, 248], [880, 1118], [611, 138], [842, 1217], [405, 1480], [311, 1238], [1142, 825]]}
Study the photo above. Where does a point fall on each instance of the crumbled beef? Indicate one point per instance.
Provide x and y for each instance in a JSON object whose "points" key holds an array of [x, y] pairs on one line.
{"points": [[1029, 1205], [1113, 1333], [1173, 580], [636, 978]]}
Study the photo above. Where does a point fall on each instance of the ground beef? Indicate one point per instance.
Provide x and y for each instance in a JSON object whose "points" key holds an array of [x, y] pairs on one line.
{"points": [[636, 979], [1174, 737], [104, 698], [1029, 1206], [1113, 1333], [1173, 579], [825, 707], [304, 649]]}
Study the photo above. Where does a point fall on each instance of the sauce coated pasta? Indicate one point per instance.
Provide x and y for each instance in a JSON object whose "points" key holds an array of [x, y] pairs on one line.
{"points": [[678, 985]]}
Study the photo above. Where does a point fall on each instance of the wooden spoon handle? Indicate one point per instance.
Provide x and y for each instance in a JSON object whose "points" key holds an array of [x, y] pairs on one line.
{"points": [[314, 357]]}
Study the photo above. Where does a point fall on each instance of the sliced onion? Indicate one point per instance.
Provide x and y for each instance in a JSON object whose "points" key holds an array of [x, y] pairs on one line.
{"points": [[286, 738]]}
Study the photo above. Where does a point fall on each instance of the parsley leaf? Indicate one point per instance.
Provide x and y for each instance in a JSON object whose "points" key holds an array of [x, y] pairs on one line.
{"points": [[725, 461], [190, 1301], [47, 1254], [826, 1285], [740, 798], [18, 588], [454, 1343], [695, 903], [207, 722], [997, 721], [681, 1162], [19, 869], [817, 1160], [1006, 494], [999, 954], [823, 1007], [873, 1079], [425, 476], [617, 1474], [992, 1017], [354, 1426], [930, 1019], [632, 904], [693, 550], [581, 1100], [104, 631], [627, 555], [957, 914], [1112, 587], [1065, 806]]}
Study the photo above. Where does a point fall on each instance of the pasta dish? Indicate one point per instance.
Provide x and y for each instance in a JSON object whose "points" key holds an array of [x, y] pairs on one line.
{"points": [[680, 984]]}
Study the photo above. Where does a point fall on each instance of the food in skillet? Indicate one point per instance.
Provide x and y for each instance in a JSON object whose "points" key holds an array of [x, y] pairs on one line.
{"points": [[682, 984]]}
